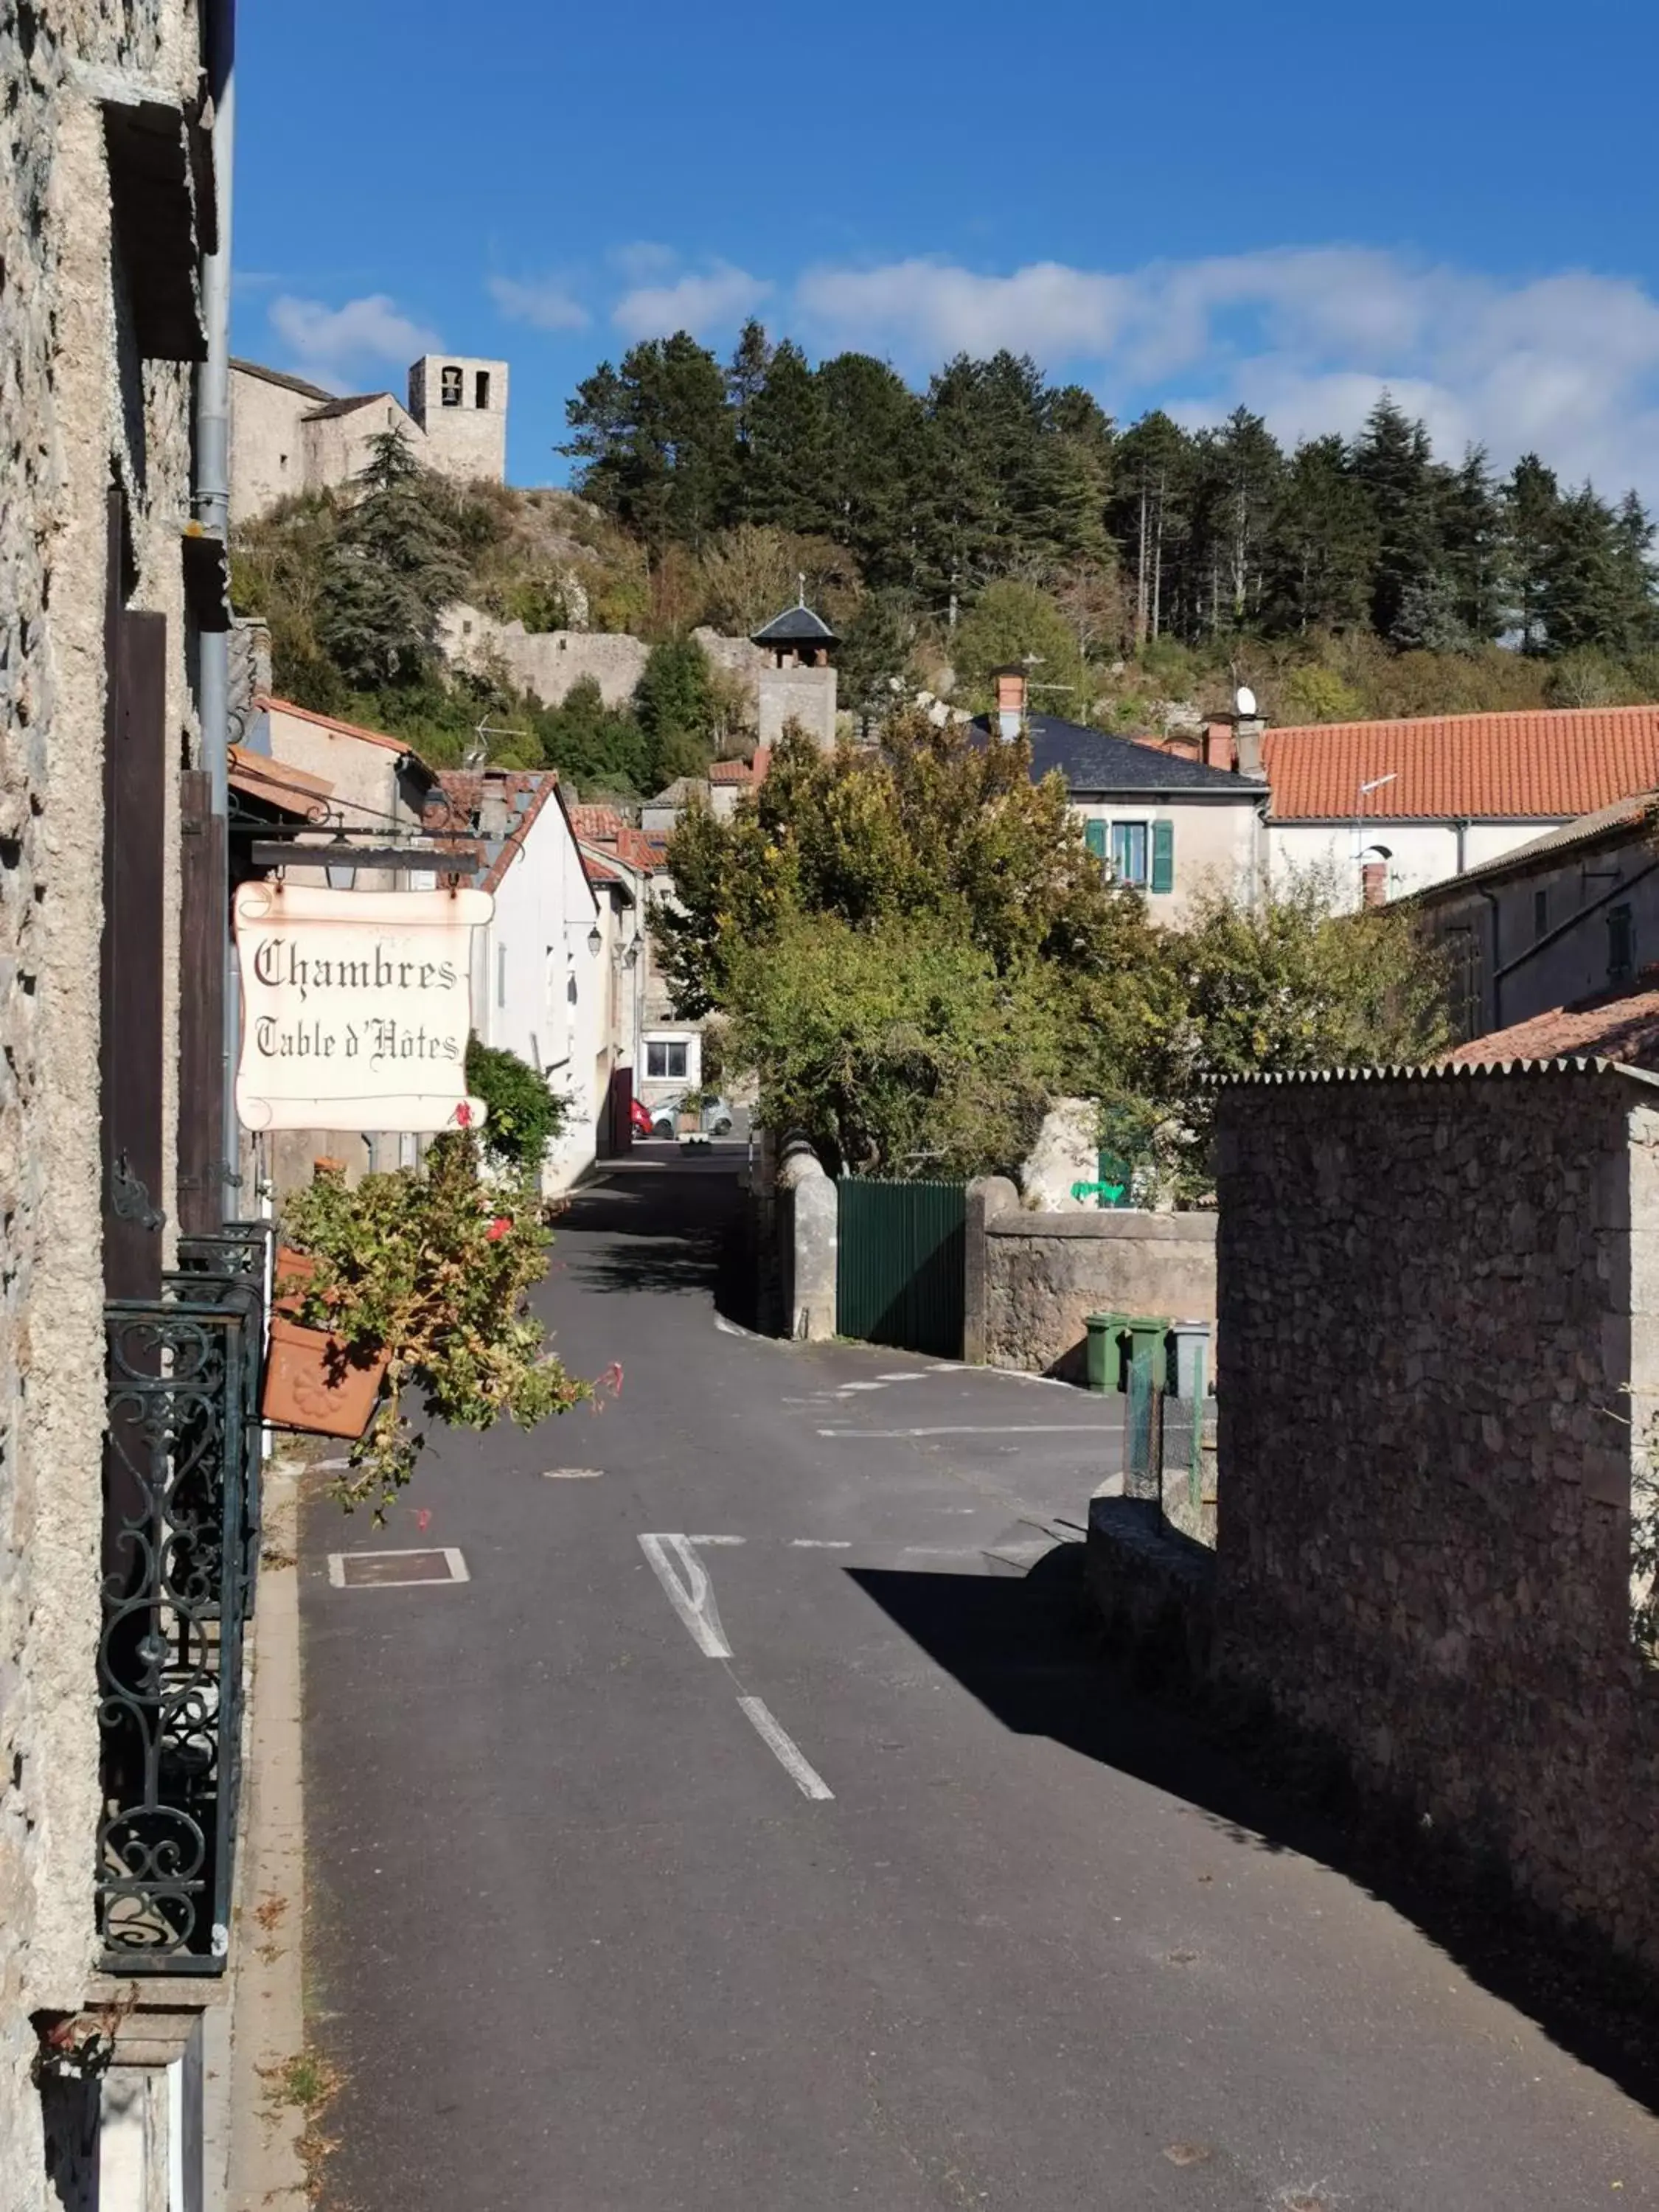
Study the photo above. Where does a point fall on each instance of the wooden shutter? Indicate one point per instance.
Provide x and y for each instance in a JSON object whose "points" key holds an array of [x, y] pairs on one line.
{"points": [[202, 937], [1094, 836], [130, 988], [1164, 856]]}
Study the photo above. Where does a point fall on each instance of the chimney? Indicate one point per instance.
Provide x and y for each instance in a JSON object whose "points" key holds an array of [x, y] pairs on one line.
{"points": [[1218, 742], [1247, 740], [1011, 701], [1374, 883]]}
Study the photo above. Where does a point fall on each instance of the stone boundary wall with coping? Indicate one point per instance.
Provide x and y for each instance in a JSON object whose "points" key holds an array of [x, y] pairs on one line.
{"points": [[1439, 1357], [1032, 1278]]}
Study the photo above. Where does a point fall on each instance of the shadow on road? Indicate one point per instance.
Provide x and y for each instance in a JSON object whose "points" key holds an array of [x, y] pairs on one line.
{"points": [[669, 1227], [1029, 1649]]}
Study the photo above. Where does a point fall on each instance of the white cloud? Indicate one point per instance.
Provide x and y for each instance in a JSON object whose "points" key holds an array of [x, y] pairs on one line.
{"points": [[1568, 362], [338, 346], [643, 259], [715, 301], [544, 303]]}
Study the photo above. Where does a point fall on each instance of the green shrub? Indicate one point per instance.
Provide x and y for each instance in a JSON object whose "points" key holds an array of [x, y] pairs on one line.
{"points": [[524, 1115]]}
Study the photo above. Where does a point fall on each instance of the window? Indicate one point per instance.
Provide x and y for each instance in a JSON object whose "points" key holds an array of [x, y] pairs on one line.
{"points": [[481, 388], [665, 1058], [1622, 944], [449, 385], [1129, 852]]}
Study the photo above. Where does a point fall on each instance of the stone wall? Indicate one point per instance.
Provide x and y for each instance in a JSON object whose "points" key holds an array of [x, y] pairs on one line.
{"points": [[1439, 1310], [468, 441], [77, 404], [549, 663], [1032, 1278], [806, 696]]}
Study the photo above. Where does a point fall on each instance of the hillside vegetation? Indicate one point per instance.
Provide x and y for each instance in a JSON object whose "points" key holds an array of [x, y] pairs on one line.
{"points": [[1142, 571]]}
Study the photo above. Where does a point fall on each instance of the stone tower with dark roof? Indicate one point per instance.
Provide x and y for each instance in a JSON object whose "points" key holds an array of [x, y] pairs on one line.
{"points": [[798, 684]]}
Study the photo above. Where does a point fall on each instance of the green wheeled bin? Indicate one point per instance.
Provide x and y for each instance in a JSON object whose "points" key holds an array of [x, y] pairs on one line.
{"points": [[1106, 1333]]}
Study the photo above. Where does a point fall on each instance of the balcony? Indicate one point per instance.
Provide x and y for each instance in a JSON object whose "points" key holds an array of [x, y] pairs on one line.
{"points": [[180, 1559]]}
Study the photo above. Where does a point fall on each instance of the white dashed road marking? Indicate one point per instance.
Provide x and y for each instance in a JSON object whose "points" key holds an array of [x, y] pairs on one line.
{"points": [[978, 1428], [692, 1599], [805, 1778]]}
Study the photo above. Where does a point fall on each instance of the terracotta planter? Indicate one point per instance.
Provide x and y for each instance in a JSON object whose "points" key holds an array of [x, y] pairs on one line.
{"points": [[313, 1383], [688, 1125], [292, 1267]]}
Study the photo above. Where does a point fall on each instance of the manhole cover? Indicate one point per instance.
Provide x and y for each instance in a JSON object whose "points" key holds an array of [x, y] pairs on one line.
{"points": [[394, 1569]]}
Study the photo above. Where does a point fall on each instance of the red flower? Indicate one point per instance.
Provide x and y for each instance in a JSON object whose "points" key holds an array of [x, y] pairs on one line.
{"points": [[464, 1116], [499, 1227]]}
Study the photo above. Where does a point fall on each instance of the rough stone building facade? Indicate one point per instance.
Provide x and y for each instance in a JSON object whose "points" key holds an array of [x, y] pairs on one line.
{"points": [[106, 208], [1439, 1366], [289, 435]]}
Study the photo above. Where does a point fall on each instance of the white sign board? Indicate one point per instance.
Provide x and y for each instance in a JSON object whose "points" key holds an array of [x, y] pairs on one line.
{"points": [[356, 1007]]}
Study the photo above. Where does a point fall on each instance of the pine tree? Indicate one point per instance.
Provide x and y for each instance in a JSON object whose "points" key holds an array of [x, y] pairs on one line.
{"points": [[1472, 540], [654, 442], [788, 446], [1321, 545], [746, 378], [1393, 460], [876, 435], [393, 566], [1532, 506]]}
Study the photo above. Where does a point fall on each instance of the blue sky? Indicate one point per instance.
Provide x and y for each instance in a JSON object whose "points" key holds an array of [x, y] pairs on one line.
{"points": [[1286, 204]]}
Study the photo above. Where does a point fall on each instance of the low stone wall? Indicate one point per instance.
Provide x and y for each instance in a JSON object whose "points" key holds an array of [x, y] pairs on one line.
{"points": [[1033, 1278], [1438, 1313]]}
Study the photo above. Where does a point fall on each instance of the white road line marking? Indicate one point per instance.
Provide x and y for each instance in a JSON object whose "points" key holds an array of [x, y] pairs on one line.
{"points": [[717, 1540], [912, 1375], [975, 1429], [847, 1388], [820, 1543], [805, 1778], [694, 1599], [572, 1474]]}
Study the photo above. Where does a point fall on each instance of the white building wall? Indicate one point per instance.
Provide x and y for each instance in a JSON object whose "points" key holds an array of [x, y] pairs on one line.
{"points": [[1420, 853], [1217, 848]]}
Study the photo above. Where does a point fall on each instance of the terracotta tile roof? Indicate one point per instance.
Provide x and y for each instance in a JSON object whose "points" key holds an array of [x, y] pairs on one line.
{"points": [[1550, 764], [1621, 1026], [731, 771], [601, 825], [293, 789]]}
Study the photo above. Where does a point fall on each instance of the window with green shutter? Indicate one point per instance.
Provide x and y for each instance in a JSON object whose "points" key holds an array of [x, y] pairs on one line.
{"points": [[1164, 856], [1094, 836]]}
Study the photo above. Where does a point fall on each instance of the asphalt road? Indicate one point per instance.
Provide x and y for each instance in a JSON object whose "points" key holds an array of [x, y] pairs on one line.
{"points": [[806, 1855]]}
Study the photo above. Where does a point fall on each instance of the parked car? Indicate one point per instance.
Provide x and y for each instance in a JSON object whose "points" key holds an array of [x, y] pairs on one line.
{"points": [[639, 1118], [714, 1117]]}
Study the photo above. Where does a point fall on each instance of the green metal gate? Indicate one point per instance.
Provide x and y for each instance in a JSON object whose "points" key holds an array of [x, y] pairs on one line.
{"points": [[900, 1262]]}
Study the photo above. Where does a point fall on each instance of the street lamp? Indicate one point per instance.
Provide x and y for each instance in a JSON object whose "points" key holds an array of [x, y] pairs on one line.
{"points": [[595, 940], [341, 874]]}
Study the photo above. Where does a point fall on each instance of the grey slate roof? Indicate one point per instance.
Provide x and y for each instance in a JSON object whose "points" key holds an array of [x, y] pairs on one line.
{"points": [[1092, 762], [345, 406], [276, 376], [795, 626]]}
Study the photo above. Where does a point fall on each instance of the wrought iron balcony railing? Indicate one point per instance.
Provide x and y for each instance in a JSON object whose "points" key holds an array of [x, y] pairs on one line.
{"points": [[180, 1559]]}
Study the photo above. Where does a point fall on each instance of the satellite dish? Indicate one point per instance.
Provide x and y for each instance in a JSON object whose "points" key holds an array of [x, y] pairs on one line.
{"points": [[1244, 700]]}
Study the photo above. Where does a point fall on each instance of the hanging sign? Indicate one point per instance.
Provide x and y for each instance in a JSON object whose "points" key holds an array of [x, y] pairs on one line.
{"points": [[356, 1007]]}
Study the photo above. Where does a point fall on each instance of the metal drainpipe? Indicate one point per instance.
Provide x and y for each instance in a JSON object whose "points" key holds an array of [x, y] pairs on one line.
{"points": [[213, 510]]}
